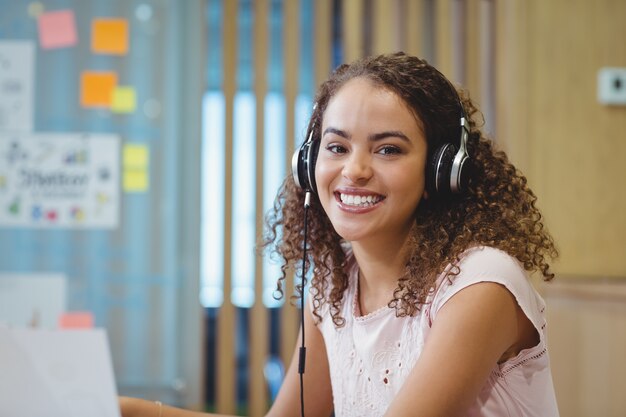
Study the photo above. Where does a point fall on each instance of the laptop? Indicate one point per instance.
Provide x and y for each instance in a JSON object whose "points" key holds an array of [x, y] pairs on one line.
{"points": [[56, 373]]}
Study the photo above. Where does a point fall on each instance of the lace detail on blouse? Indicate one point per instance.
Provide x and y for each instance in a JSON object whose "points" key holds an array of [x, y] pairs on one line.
{"points": [[369, 358]]}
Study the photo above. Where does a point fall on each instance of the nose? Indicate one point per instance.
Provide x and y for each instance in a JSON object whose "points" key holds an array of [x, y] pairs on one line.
{"points": [[357, 167]]}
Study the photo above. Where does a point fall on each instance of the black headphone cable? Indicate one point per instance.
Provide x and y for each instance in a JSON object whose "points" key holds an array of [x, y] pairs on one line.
{"points": [[302, 353]]}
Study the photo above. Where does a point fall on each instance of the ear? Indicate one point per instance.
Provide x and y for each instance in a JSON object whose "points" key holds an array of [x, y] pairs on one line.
{"points": [[425, 195]]}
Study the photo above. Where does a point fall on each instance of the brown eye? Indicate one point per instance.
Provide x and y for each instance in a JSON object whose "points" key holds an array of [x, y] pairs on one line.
{"points": [[389, 150], [336, 149]]}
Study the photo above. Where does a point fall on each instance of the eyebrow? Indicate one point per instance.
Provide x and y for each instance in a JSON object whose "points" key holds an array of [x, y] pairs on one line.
{"points": [[374, 137]]}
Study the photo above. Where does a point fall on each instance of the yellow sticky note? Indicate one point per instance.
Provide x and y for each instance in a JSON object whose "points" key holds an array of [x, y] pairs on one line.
{"points": [[109, 36], [96, 88], [135, 156], [124, 100], [135, 180]]}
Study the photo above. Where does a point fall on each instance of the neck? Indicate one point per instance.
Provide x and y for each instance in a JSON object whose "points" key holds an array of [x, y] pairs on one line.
{"points": [[380, 264]]}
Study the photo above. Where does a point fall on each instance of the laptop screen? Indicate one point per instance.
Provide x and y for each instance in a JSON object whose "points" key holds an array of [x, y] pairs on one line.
{"points": [[56, 373]]}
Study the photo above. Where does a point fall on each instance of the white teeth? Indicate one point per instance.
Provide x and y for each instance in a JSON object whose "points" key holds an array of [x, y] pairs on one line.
{"points": [[359, 200]]}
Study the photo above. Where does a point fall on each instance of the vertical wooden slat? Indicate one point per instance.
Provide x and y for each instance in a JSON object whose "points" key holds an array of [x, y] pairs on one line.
{"points": [[399, 24], [414, 27], [472, 49], [488, 39], [443, 37], [225, 375], [384, 28], [289, 316], [259, 330], [352, 16], [323, 37], [457, 32], [512, 81]]}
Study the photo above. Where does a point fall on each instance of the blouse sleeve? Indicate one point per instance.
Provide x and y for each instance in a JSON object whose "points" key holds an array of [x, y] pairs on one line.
{"points": [[486, 264]]}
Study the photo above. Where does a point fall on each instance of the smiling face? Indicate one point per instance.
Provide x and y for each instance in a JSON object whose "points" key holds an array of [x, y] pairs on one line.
{"points": [[370, 170]]}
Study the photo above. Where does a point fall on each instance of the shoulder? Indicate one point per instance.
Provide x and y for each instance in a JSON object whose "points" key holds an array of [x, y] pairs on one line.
{"points": [[484, 263], [489, 265], [489, 261]]}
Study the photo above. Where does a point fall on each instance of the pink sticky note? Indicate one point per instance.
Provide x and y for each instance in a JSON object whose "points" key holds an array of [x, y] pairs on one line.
{"points": [[57, 29], [76, 320]]}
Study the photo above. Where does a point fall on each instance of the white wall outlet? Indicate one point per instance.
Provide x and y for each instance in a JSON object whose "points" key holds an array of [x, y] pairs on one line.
{"points": [[612, 86]]}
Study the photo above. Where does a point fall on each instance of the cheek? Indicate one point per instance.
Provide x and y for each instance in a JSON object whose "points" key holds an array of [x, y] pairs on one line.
{"points": [[410, 185], [323, 176]]}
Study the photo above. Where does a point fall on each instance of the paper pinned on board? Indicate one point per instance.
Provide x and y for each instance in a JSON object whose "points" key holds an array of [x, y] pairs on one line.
{"points": [[60, 180], [57, 29], [17, 60]]}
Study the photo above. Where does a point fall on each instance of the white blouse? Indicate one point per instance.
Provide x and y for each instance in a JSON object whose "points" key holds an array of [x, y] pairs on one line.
{"points": [[371, 356]]}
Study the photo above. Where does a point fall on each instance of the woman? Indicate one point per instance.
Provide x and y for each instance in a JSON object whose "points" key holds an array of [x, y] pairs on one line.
{"points": [[421, 238]]}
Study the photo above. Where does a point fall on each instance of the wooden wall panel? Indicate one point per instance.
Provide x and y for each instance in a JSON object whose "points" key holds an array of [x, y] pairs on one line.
{"points": [[575, 142], [586, 342]]}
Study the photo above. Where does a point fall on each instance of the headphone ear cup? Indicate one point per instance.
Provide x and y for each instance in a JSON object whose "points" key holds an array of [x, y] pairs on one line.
{"points": [[440, 168], [297, 166], [303, 165], [312, 154]]}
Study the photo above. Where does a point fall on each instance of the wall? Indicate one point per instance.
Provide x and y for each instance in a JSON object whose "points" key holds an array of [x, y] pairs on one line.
{"points": [[564, 140], [568, 144]]}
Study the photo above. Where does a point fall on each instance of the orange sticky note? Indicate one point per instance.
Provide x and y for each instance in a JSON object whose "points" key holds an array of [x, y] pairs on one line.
{"points": [[109, 36], [96, 88], [57, 29], [76, 320]]}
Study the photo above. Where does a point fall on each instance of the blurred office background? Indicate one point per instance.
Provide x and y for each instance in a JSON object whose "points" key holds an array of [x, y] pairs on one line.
{"points": [[211, 99]]}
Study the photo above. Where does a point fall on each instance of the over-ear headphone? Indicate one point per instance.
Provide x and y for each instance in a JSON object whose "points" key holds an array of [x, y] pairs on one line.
{"points": [[303, 161], [448, 167], [447, 172]]}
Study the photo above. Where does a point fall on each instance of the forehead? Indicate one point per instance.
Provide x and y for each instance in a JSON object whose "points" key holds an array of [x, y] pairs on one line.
{"points": [[366, 101]]}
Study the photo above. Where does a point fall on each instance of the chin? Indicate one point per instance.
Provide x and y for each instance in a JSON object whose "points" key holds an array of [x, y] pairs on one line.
{"points": [[350, 235]]}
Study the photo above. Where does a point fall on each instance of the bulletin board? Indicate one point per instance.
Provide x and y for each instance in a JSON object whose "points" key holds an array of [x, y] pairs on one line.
{"points": [[90, 166]]}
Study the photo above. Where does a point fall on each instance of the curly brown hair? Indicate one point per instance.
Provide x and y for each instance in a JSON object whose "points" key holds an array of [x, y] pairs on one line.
{"points": [[497, 209]]}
